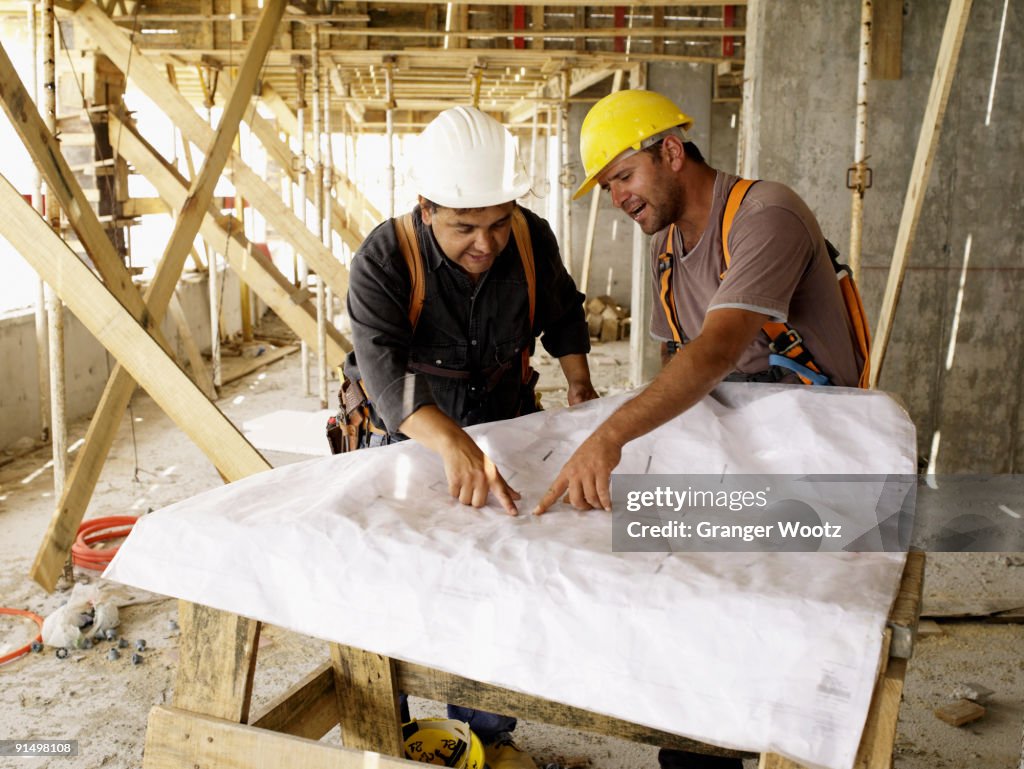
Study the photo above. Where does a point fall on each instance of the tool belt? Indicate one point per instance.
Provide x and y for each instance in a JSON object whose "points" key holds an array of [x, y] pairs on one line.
{"points": [[357, 421]]}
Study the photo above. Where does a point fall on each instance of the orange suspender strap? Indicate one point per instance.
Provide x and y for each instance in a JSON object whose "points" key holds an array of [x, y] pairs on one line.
{"points": [[778, 333], [668, 304], [521, 232], [524, 244], [732, 205], [861, 332], [410, 248]]}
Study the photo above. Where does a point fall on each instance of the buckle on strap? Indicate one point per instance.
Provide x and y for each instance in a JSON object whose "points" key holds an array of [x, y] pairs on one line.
{"points": [[791, 337]]}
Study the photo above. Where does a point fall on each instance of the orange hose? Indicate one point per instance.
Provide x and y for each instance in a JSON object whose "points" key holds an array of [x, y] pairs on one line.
{"points": [[85, 556], [27, 647]]}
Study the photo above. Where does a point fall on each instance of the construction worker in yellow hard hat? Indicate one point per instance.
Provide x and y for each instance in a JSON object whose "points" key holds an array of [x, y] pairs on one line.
{"points": [[769, 308]]}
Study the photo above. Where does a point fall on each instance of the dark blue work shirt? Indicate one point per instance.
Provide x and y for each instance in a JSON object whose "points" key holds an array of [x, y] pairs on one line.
{"points": [[478, 328]]}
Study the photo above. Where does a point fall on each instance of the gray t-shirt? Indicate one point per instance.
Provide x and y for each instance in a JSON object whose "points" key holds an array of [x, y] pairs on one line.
{"points": [[780, 267]]}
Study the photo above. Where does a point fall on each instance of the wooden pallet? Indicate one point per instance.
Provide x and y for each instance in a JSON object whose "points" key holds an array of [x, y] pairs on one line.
{"points": [[210, 723]]}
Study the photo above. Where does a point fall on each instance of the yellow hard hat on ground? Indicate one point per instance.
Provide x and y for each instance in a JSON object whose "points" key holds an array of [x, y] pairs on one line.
{"points": [[443, 742], [620, 121]]}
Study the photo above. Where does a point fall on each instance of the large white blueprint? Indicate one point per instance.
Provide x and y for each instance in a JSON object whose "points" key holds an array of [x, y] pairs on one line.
{"points": [[758, 651]]}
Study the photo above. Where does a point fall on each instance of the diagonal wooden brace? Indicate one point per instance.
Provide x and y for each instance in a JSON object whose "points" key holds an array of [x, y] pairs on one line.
{"points": [[125, 338], [224, 234], [147, 77], [100, 436]]}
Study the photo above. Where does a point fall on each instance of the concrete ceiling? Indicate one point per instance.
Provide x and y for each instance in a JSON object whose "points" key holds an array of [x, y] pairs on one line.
{"points": [[505, 58]]}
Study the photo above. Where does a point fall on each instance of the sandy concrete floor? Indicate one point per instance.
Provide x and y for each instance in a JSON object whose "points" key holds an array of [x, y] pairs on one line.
{"points": [[104, 703]]}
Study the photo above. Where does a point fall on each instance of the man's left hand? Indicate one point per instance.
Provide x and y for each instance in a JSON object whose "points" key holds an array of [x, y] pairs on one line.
{"points": [[585, 480], [580, 392]]}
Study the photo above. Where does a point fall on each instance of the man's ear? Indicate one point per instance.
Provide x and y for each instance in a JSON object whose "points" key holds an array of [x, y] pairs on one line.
{"points": [[425, 216], [673, 152]]}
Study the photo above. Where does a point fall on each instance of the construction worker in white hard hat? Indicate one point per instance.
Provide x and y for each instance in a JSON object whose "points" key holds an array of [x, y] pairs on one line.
{"points": [[464, 359], [442, 337]]}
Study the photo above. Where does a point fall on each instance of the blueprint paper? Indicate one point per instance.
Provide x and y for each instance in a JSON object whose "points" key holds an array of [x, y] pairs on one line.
{"points": [[756, 651]]}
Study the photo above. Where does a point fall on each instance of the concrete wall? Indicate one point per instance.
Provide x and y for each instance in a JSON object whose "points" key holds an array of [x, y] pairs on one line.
{"points": [[88, 364], [803, 135]]}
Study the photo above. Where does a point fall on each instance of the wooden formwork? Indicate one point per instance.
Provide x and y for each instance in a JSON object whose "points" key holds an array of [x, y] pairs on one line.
{"points": [[210, 723]]}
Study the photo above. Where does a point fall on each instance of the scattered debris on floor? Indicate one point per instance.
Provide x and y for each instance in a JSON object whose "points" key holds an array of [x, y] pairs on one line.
{"points": [[960, 712], [607, 320], [973, 692]]}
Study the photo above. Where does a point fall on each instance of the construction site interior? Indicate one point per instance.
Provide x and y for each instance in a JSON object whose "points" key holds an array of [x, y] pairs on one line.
{"points": [[226, 220]]}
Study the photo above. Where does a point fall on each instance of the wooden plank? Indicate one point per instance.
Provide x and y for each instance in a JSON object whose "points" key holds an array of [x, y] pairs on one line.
{"points": [[108, 321], [144, 207], [119, 387], [879, 737], [200, 374], [367, 696], [774, 761], [308, 709], [906, 609], [291, 306], [147, 77], [177, 739], [194, 209], [216, 662], [886, 39], [422, 681], [361, 224], [359, 209], [61, 183], [235, 371], [927, 144], [45, 151], [960, 712]]}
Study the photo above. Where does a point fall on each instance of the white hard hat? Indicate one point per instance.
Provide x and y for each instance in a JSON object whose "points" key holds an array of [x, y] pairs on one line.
{"points": [[466, 159]]}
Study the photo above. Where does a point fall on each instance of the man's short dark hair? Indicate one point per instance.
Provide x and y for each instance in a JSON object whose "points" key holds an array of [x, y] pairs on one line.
{"points": [[431, 206], [691, 150]]}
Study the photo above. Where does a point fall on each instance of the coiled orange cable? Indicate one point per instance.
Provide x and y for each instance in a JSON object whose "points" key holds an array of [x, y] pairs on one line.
{"points": [[99, 530], [27, 647]]}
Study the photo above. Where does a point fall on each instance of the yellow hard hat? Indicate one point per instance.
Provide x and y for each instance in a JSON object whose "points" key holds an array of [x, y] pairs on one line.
{"points": [[443, 742], [621, 121]]}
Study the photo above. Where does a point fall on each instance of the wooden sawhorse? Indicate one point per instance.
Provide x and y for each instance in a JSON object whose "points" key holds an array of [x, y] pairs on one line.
{"points": [[210, 727]]}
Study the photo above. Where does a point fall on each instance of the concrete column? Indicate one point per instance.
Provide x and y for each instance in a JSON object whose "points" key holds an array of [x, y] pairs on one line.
{"points": [[956, 357]]}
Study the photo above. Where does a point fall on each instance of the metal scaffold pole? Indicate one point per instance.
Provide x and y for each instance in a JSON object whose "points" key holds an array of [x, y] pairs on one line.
{"points": [[54, 306]]}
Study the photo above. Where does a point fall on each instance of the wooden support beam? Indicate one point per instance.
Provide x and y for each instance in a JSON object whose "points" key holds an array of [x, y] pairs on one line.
{"points": [[107, 320], [537, 23], [177, 738], [500, 35], [61, 183], [145, 75], [355, 203], [192, 211], [422, 681], [886, 39], [216, 662], [120, 386], [927, 144], [225, 235], [200, 373], [145, 206], [367, 690], [45, 151], [365, 216], [308, 709]]}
